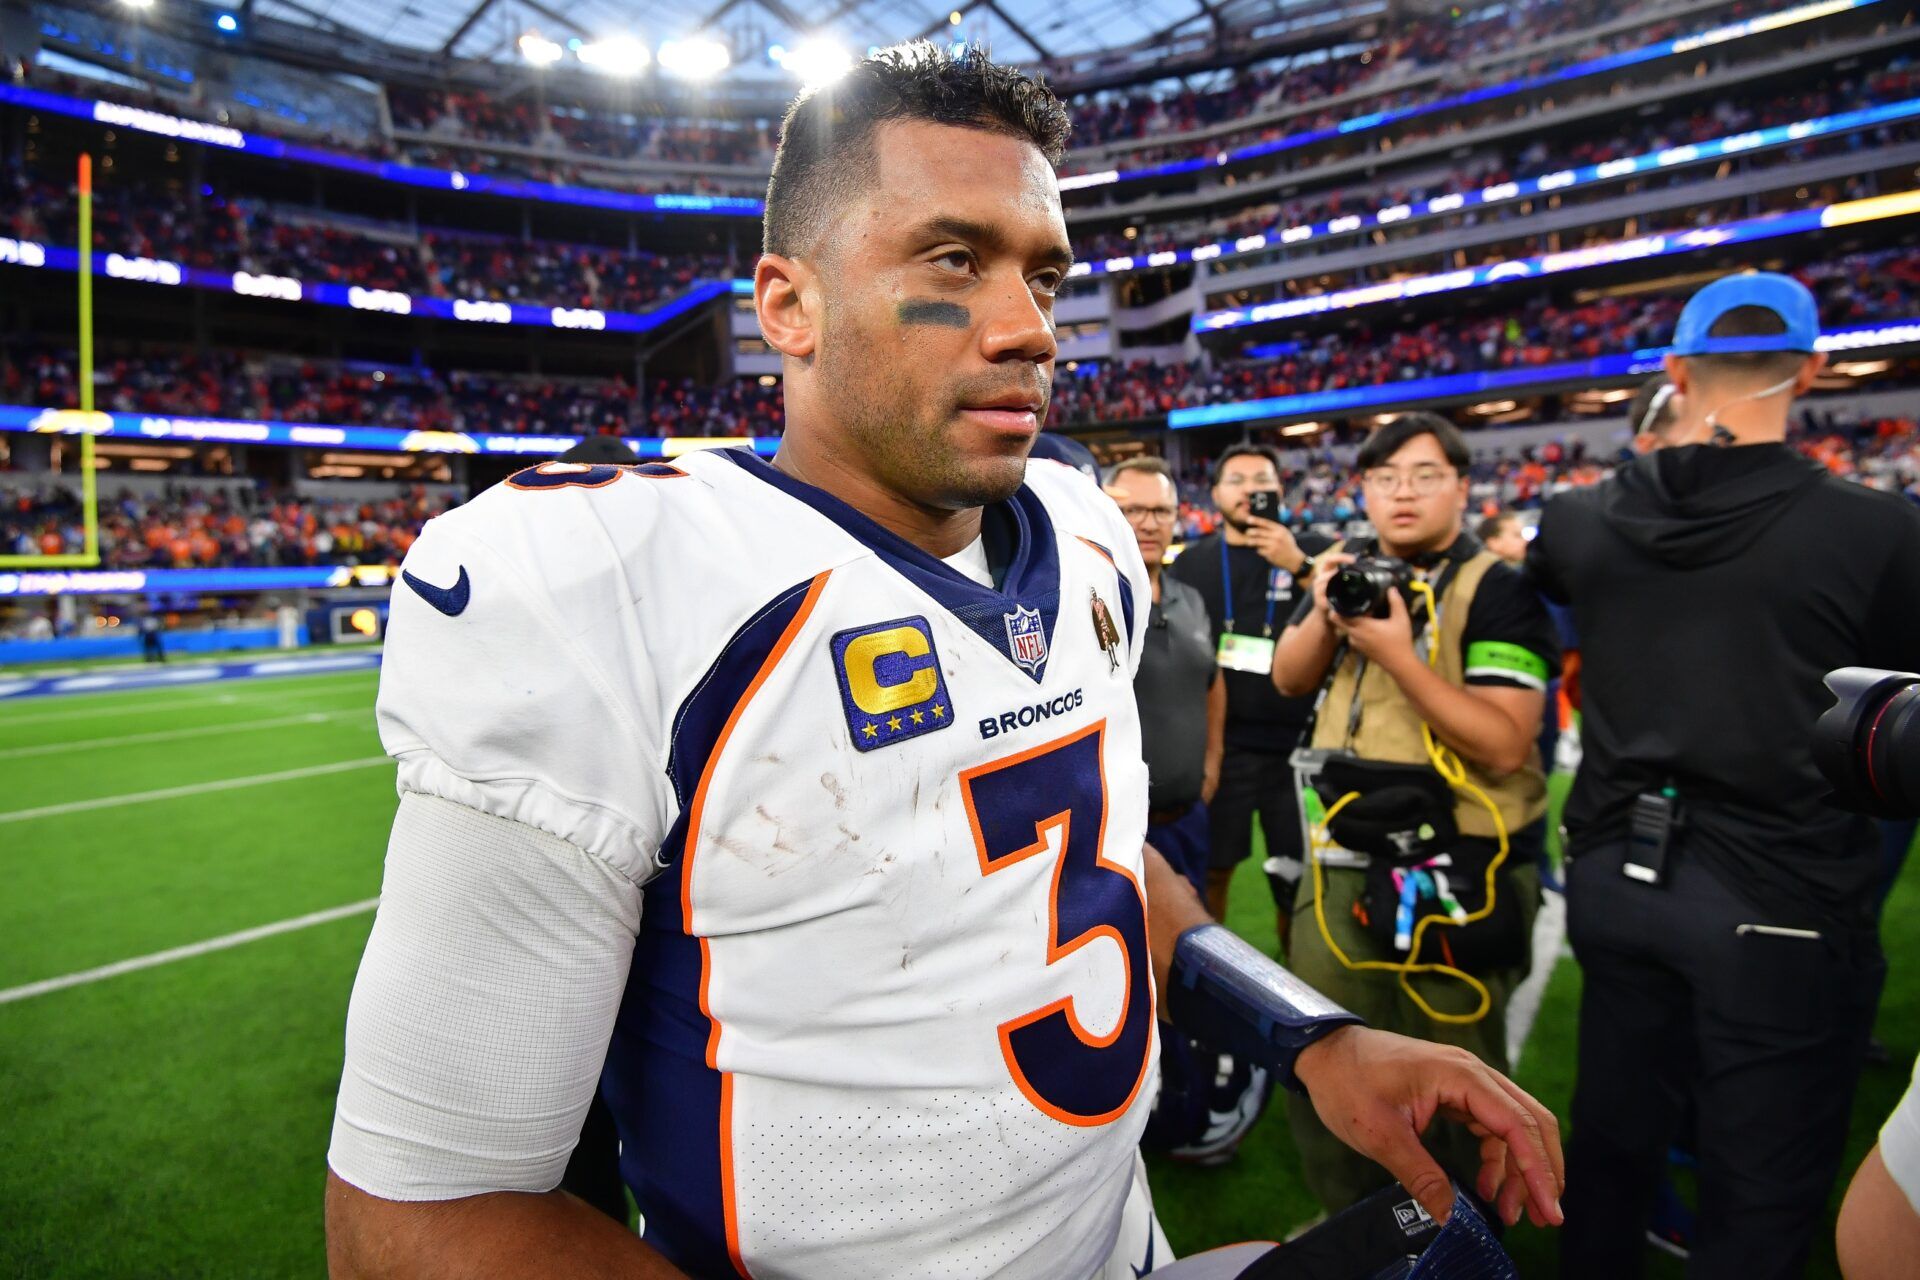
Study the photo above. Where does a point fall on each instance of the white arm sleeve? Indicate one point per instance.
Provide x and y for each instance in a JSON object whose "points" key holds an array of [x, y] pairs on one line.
{"points": [[1900, 1142], [485, 1001]]}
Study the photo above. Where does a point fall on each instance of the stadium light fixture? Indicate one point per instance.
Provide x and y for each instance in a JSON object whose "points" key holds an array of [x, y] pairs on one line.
{"points": [[228, 24], [616, 55], [694, 58], [539, 50], [137, 4], [954, 18], [815, 63]]}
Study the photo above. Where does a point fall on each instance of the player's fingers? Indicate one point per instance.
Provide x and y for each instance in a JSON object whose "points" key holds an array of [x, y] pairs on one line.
{"points": [[1529, 1130], [1495, 1165], [1549, 1127], [1512, 1200], [1415, 1169]]}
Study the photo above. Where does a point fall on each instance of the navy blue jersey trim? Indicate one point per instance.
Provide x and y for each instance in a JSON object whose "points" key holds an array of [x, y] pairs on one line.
{"points": [[1032, 578]]}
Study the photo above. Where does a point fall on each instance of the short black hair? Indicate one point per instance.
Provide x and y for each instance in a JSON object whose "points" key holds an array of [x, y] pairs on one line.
{"points": [[1491, 526], [1386, 441], [1754, 366], [1245, 450], [826, 139]]}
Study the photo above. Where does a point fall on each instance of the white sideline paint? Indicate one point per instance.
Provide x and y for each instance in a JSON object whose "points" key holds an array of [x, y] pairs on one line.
{"points": [[85, 976], [78, 684], [1549, 932], [192, 789], [168, 735], [276, 693]]}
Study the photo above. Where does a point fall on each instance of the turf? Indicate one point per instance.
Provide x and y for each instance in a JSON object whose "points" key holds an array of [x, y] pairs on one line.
{"points": [[173, 1121]]}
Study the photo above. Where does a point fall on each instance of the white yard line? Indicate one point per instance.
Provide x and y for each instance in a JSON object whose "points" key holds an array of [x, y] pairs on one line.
{"points": [[1549, 934], [85, 976], [169, 735], [192, 789], [279, 690]]}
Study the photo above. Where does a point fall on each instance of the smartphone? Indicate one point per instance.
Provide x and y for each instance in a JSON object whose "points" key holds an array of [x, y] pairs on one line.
{"points": [[1264, 503]]}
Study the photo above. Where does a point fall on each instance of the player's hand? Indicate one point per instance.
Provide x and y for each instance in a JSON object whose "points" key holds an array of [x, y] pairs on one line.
{"points": [[1377, 1092], [1379, 640], [1323, 570], [1275, 543]]}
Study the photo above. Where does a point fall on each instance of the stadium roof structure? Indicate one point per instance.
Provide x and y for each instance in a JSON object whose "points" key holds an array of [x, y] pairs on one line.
{"points": [[1022, 30]]}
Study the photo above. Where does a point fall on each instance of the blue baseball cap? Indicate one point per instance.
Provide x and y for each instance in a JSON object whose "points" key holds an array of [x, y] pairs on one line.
{"points": [[1058, 448], [1782, 295]]}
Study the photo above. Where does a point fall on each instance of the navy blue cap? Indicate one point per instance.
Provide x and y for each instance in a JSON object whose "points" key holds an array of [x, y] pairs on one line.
{"points": [[1782, 295]]}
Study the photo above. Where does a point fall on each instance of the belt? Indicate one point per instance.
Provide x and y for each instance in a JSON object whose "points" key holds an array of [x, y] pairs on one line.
{"points": [[1169, 815]]}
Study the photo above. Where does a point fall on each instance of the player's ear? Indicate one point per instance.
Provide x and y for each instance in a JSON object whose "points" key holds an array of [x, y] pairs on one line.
{"points": [[1678, 374], [782, 295], [1808, 372]]}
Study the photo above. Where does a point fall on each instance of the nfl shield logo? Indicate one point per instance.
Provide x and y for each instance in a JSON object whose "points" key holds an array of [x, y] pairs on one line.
{"points": [[1027, 639]]}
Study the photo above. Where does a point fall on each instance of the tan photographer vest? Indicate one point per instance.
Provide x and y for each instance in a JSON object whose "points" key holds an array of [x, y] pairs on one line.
{"points": [[1389, 727]]}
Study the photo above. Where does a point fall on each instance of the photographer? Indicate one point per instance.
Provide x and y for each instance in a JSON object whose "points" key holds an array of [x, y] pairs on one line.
{"points": [[1722, 913], [1438, 656], [1247, 574]]}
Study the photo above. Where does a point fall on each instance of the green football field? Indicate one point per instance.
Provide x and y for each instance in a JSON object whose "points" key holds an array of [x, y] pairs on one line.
{"points": [[171, 1118]]}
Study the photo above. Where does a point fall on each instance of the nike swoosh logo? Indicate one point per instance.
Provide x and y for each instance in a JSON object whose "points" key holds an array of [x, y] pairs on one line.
{"points": [[451, 601]]}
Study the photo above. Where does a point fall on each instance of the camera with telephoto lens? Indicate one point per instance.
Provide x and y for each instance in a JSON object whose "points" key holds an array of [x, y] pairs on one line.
{"points": [[1868, 743], [1365, 588]]}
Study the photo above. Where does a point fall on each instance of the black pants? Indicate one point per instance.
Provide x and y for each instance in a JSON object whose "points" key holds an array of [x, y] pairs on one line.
{"points": [[1257, 782], [1765, 1032]]}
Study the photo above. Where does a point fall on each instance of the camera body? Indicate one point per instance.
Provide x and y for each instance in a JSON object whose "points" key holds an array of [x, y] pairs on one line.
{"points": [[1364, 589], [1867, 744]]}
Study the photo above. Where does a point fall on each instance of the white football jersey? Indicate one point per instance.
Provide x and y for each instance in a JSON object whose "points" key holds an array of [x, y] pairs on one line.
{"points": [[890, 1011]]}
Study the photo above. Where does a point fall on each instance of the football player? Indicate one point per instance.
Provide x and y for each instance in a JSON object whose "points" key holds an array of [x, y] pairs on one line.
{"points": [[798, 808]]}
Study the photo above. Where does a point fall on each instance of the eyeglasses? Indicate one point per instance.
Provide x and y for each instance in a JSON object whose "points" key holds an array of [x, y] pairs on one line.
{"points": [[1263, 480], [1155, 515], [1421, 481]]}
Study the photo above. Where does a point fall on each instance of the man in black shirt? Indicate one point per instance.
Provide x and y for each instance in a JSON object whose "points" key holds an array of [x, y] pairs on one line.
{"points": [[1261, 560], [1208, 1100], [1730, 951]]}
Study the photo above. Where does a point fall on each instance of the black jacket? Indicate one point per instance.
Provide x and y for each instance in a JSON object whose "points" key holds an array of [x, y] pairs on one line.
{"points": [[1712, 589]]}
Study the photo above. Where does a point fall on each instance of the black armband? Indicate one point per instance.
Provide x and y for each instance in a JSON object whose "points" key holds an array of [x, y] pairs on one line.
{"points": [[1228, 995]]}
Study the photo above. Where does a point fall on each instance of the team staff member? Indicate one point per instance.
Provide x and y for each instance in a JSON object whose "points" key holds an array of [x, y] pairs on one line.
{"points": [[1263, 564], [1504, 535], [1180, 691], [1208, 1099], [1729, 950], [1483, 697]]}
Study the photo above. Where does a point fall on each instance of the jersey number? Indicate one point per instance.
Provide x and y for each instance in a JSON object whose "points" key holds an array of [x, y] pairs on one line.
{"points": [[1053, 798]]}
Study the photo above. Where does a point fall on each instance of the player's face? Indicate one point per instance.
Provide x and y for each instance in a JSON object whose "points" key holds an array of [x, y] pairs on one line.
{"points": [[1415, 498], [936, 348], [1151, 507]]}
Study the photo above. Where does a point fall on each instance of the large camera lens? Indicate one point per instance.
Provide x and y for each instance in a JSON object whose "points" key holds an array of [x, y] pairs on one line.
{"points": [[1365, 587], [1868, 743]]}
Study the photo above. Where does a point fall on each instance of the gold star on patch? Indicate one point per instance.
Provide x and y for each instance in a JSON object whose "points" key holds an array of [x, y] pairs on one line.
{"points": [[939, 712], [919, 717], [893, 724], [870, 731]]}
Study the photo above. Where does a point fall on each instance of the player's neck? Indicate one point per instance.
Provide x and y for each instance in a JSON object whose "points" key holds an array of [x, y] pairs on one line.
{"points": [[938, 532]]}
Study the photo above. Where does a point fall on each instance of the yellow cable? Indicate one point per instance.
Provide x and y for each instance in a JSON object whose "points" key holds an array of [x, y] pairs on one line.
{"points": [[1454, 772]]}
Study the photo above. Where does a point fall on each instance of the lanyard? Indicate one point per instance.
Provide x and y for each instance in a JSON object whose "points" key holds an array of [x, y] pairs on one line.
{"points": [[1226, 589]]}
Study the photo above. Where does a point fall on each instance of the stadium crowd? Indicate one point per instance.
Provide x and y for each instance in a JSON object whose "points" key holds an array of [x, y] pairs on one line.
{"points": [[241, 235], [231, 385], [1533, 157], [1376, 143], [201, 528], [1413, 45], [1858, 289]]}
